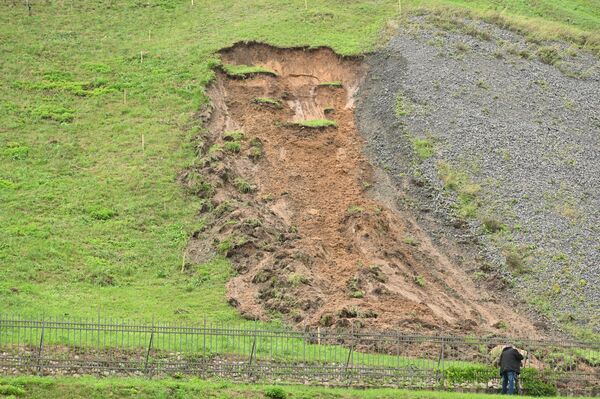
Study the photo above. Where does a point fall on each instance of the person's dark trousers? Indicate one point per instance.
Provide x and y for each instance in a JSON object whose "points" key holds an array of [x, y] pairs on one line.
{"points": [[509, 380]]}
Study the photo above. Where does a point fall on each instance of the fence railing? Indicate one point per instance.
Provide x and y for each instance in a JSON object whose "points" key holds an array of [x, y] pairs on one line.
{"points": [[257, 352]]}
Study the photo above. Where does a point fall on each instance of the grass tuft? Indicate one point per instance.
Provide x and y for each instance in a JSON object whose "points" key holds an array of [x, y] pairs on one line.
{"points": [[423, 148], [316, 123], [336, 84], [271, 102]]}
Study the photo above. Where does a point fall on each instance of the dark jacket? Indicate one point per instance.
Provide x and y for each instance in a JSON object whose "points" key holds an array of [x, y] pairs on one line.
{"points": [[510, 360]]}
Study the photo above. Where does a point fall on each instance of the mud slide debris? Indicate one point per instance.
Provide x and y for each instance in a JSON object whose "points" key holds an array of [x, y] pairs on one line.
{"points": [[285, 188]]}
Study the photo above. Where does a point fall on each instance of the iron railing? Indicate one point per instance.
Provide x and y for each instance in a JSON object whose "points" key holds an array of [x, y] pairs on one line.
{"points": [[254, 351]]}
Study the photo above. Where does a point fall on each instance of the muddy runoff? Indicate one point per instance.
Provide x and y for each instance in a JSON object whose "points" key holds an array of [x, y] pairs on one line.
{"points": [[292, 207]]}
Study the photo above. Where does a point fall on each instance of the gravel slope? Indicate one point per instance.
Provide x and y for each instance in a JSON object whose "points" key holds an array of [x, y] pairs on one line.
{"points": [[522, 129]]}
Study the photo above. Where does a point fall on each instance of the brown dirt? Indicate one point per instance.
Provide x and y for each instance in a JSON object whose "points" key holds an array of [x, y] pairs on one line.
{"points": [[309, 241]]}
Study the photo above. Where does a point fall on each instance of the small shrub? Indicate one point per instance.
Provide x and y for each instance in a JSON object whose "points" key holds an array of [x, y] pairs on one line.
{"points": [[275, 393], [534, 383]]}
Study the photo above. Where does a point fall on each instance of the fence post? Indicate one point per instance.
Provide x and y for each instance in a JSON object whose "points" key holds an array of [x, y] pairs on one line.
{"points": [[398, 343], [350, 353], [149, 348], [442, 373], [41, 348], [252, 353]]}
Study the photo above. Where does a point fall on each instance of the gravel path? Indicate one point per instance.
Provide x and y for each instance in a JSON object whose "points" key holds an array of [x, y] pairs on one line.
{"points": [[523, 130]]}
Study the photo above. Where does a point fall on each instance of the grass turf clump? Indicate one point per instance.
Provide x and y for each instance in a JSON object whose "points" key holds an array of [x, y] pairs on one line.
{"points": [[244, 71], [423, 148], [316, 123], [336, 84], [233, 136], [232, 146], [270, 102]]}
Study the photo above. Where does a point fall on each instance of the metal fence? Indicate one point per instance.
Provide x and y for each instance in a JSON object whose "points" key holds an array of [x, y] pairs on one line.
{"points": [[253, 352]]}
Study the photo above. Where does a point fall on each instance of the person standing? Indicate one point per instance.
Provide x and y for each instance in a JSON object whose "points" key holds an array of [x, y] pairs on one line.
{"points": [[510, 367]]}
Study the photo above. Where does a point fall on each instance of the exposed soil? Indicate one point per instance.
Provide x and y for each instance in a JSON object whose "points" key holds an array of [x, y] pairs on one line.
{"points": [[310, 238]]}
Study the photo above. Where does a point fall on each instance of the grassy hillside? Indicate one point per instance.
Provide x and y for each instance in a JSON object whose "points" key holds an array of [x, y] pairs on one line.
{"points": [[97, 103], [39, 387]]}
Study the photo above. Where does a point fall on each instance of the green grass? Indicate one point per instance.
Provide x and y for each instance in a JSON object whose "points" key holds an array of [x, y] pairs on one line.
{"points": [[423, 147], [243, 71], [316, 123], [458, 181], [92, 388], [90, 220], [267, 101], [403, 105], [336, 84]]}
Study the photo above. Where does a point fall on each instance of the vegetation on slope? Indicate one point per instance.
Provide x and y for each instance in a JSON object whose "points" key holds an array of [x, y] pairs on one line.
{"points": [[97, 106]]}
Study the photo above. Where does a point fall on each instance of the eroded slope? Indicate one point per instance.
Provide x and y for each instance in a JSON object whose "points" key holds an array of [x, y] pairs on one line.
{"points": [[292, 207]]}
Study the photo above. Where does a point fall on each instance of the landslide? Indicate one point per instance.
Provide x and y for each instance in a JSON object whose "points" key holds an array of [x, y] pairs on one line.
{"points": [[300, 211]]}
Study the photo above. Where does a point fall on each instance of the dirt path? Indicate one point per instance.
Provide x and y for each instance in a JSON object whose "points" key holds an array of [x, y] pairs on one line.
{"points": [[326, 251]]}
